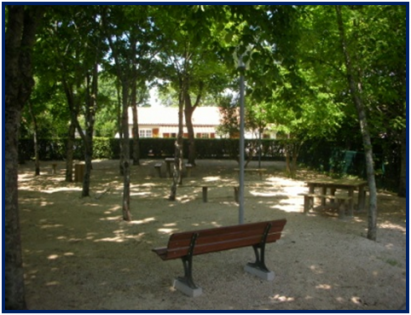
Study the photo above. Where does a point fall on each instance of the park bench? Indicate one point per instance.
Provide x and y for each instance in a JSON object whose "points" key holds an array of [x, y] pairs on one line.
{"points": [[338, 201], [157, 166], [185, 245], [234, 186], [205, 191], [260, 171]]}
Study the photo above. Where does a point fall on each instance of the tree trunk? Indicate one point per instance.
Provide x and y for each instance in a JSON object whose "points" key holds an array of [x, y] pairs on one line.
{"points": [[287, 161], [402, 190], [119, 125], [14, 283], [74, 105], [19, 42], [35, 140], [91, 105], [372, 211], [136, 136], [70, 152], [126, 155], [178, 152], [188, 111], [123, 77]]}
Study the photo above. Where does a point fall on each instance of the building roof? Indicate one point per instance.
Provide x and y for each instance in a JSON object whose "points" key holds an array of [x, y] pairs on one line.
{"points": [[168, 116]]}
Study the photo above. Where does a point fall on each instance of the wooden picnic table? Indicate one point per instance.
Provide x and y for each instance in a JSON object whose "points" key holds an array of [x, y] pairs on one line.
{"points": [[333, 185], [168, 165]]}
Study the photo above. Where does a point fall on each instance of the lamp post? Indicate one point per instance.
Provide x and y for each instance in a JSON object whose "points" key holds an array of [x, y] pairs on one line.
{"points": [[241, 67]]}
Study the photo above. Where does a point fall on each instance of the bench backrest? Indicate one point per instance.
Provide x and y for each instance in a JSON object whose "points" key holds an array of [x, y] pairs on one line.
{"points": [[223, 238]]}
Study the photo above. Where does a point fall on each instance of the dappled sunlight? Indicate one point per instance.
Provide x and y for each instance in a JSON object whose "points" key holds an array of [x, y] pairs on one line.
{"points": [[60, 189], [287, 207], [120, 237], [116, 239], [170, 224], [52, 257], [356, 300], [211, 178], [92, 204], [52, 283], [25, 177], [257, 193], [295, 190], [115, 218], [113, 209], [323, 287], [166, 230], [393, 226], [44, 203], [50, 226], [206, 224], [140, 194], [139, 222], [83, 244], [316, 269], [281, 298]]}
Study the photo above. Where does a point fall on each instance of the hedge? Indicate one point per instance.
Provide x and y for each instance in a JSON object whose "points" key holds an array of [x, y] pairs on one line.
{"points": [[108, 148]]}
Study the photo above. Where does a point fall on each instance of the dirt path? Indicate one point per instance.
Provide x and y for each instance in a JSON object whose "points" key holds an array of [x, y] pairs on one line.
{"points": [[79, 254]]}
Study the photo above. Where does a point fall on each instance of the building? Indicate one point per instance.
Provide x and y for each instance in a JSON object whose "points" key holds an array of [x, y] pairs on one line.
{"points": [[162, 122]]}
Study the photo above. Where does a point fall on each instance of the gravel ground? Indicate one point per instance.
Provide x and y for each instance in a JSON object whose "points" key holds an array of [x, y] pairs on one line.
{"points": [[80, 255]]}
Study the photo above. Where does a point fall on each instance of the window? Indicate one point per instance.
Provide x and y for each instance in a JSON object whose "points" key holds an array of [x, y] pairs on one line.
{"points": [[145, 133], [202, 135]]}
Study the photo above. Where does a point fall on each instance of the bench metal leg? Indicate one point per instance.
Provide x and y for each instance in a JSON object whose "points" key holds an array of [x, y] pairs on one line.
{"points": [[259, 268], [259, 258], [188, 272], [186, 284], [205, 188]]}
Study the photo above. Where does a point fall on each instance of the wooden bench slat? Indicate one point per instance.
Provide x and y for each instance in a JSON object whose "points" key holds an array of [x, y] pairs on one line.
{"points": [[260, 226], [213, 238]]}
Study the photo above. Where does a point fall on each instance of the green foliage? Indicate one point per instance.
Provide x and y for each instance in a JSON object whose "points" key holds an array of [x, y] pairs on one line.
{"points": [[295, 70]]}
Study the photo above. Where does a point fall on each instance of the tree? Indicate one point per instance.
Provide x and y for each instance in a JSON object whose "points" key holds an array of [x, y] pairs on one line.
{"points": [[127, 29], [21, 26], [194, 66], [74, 49], [353, 83]]}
